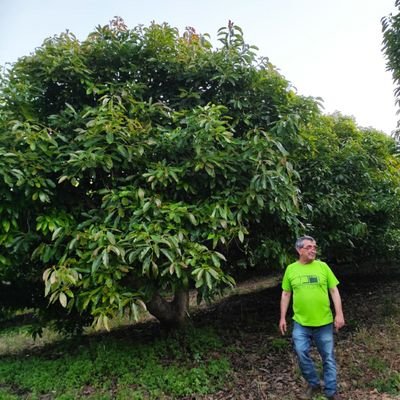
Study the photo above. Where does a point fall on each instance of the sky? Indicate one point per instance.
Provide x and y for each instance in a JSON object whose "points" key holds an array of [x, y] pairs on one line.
{"points": [[327, 49]]}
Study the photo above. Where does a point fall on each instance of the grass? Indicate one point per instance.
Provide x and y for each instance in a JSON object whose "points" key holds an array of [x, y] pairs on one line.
{"points": [[375, 363], [117, 368]]}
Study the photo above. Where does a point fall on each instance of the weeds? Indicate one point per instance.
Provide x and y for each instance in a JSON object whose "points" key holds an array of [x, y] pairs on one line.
{"points": [[280, 345], [389, 382], [174, 366]]}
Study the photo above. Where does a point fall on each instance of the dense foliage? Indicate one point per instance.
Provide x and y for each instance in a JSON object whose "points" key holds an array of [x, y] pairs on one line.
{"points": [[391, 47], [350, 181], [139, 164]]}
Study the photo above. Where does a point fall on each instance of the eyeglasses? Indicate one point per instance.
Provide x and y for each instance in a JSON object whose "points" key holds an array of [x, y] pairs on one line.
{"points": [[310, 246]]}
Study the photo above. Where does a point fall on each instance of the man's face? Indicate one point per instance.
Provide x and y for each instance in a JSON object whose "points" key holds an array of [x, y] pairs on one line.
{"points": [[308, 252]]}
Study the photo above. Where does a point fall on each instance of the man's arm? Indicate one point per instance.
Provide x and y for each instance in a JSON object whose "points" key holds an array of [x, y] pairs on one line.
{"points": [[337, 303], [285, 301]]}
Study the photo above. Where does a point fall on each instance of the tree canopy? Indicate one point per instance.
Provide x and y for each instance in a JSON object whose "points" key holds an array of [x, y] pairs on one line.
{"points": [[141, 163]]}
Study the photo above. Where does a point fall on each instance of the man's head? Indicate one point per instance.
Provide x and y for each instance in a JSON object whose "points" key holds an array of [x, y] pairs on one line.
{"points": [[307, 249]]}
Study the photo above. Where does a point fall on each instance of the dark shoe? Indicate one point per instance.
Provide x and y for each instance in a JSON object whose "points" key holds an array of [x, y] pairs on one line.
{"points": [[336, 396], [310, 392]]}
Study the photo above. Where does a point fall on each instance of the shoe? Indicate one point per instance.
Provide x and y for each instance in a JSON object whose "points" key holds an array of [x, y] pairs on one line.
{"points": [[310, 392], [336, 396]]}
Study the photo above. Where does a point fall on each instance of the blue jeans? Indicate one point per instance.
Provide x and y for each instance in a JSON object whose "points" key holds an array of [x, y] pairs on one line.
{"points": [[323, 339]]}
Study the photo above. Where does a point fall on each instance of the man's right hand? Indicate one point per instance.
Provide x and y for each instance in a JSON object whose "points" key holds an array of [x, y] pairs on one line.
{"points": [[282, 326]]}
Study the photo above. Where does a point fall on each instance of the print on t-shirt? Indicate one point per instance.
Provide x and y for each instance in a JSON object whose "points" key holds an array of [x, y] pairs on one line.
{"points": [[310, 279]]}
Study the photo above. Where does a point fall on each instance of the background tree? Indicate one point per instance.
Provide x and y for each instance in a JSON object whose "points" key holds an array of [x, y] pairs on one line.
{"points": [[350, 190]]}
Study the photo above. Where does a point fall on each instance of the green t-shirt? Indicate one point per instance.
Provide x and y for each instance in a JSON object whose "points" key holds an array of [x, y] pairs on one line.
{"points": [[310, 284]]}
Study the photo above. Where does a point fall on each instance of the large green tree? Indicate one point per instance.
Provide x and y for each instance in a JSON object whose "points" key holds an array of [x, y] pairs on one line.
{"points": [[139, 164]]}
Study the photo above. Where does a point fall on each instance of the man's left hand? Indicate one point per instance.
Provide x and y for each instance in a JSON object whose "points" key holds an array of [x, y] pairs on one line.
{"points": [[339, 322]]}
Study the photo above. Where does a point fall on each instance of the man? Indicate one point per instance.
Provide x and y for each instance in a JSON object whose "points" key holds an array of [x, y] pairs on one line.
{"points": [[312, 281]]}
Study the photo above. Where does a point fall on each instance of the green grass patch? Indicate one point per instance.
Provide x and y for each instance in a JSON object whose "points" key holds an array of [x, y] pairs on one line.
{"points": [[6, 395], [105, 367], [388, 382]]}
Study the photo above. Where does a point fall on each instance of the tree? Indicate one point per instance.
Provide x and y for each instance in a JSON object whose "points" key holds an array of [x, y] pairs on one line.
{"points": [[350, 180], [391, 46], [139, 164]]}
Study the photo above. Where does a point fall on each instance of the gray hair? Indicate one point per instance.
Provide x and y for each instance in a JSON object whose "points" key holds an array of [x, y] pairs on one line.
{"points": [[301, 239]]}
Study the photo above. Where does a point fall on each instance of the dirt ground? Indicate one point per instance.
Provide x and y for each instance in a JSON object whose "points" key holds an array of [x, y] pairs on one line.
{"points": [[367, 348]]}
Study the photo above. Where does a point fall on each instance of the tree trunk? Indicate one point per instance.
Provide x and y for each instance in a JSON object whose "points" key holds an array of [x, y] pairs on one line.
{"points": [[171, 314]]}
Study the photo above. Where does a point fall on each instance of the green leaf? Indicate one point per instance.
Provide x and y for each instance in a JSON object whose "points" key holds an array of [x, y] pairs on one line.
{"points": [[63, 299], [96, 264], [6, 225], [105, 258], [110, 138], [111, 237], [141, 193], [146, 206], [56, 233], [216, 260], [192, 218], [167, 254]]}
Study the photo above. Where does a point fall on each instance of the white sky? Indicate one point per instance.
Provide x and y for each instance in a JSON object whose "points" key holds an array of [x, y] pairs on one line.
{"points": [[328, 49]]}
